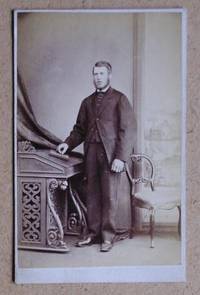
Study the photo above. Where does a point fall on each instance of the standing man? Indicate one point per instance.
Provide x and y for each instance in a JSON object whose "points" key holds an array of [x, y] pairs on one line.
{"points": [[104, 124]]}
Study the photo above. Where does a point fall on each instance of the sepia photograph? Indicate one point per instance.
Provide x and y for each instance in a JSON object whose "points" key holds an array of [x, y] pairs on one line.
{"points": [[99, 145]]}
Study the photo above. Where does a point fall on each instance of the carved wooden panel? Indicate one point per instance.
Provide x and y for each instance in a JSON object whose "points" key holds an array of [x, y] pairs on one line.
{"points": [[31, 211]]}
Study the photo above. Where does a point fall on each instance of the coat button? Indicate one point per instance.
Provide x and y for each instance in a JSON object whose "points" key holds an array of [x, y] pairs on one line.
{"points": [[97, 119]]}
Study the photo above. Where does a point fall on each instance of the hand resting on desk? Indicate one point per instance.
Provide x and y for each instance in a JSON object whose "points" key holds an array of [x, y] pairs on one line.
{"points": [[62, 148]]}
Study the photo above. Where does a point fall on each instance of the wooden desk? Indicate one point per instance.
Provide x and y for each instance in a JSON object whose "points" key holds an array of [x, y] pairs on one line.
{"points": [[41, 179]]}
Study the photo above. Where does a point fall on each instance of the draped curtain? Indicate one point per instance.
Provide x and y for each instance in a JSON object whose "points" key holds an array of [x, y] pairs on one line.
{"points": [[28, 128]]}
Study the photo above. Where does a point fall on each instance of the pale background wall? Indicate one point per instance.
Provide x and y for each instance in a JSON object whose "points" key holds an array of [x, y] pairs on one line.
{"points": [[159, 106], [56, 54], [161, 96]]}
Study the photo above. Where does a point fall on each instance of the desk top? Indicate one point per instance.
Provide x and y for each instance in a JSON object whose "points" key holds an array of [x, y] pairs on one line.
{"points": [[41, 163]]}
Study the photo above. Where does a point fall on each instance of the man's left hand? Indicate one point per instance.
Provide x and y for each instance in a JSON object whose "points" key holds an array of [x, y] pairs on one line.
{"points": [[117, 165]]}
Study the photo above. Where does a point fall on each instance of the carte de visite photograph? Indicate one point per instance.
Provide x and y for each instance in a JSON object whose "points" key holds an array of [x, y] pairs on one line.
{"points": [[99, 145]]}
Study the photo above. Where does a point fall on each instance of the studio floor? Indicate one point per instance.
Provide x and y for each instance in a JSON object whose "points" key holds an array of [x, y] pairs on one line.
{"points": [[128, 252]]}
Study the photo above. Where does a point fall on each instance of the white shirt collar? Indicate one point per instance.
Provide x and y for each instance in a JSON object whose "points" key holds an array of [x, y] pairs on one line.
{"points": [[103, 90]]}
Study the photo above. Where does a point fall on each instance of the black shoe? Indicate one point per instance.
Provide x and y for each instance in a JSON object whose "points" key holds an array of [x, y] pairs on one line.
{"points": [[85, 242], [106, 246]]}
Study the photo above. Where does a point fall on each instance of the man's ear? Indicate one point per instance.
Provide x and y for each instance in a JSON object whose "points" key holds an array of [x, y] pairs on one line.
{"points": [[110, 75]]}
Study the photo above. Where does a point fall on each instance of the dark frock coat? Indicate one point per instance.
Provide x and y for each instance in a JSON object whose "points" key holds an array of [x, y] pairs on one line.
{"points": [[114, 121], [115, 125]]}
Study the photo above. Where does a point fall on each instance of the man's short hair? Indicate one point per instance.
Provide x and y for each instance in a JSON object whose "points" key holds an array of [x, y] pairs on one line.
{"points": [[103, 63]]}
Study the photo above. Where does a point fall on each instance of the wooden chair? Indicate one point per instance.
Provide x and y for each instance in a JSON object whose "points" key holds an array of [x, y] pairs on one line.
{"points": [[150, 200]]}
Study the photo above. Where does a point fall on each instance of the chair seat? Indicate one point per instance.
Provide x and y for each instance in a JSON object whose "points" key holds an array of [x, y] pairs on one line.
{"points": [[156, 200]]}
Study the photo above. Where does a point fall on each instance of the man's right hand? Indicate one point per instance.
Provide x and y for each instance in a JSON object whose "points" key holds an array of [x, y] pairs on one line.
{"points": [[62, 148]]}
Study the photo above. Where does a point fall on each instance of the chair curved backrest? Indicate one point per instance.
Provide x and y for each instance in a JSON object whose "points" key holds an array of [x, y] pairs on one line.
{"points": [[148, 180]]}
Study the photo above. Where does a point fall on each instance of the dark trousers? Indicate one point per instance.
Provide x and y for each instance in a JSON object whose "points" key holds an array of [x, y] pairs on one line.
{"points": [[101, 199]]}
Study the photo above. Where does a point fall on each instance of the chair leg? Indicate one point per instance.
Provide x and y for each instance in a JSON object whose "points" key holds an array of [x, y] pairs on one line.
{"points": [[152, 226], [179, 220], [132, 229]]}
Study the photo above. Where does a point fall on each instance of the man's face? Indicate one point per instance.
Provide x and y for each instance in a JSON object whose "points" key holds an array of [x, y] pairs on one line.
{"points": [[101, 77]]}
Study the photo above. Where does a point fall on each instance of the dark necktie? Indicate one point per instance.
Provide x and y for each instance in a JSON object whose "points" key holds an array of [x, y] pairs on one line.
{"points": [[100, 94]]}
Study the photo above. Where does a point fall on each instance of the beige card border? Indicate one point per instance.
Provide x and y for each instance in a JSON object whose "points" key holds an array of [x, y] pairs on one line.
{"points": [[192, 285]]}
